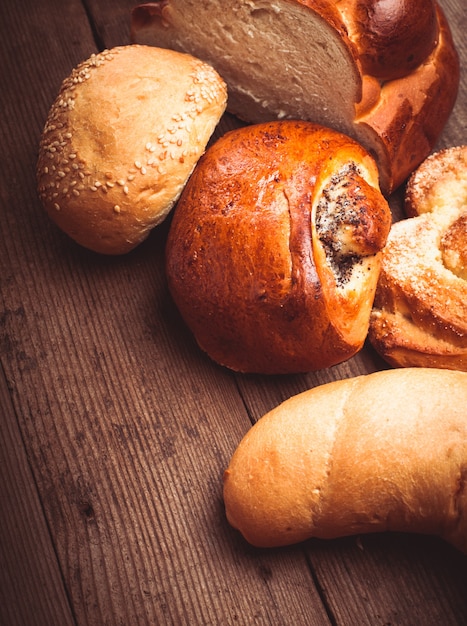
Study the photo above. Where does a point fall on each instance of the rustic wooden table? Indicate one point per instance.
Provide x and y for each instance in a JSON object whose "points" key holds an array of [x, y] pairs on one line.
{"points": [[115, 429]]}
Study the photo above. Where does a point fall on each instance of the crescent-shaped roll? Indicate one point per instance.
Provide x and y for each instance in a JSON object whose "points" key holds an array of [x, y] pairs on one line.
{"points": [[381, 452]]}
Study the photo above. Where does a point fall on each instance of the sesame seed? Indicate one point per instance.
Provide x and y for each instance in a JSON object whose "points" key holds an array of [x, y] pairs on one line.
{"points": [[75, 192], [125, 190], [117, 208], [137, 165], [143, 170], [109, 184], [56, 206]]}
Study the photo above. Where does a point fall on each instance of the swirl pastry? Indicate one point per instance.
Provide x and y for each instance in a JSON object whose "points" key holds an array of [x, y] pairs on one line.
{"points": [[419, 316]]}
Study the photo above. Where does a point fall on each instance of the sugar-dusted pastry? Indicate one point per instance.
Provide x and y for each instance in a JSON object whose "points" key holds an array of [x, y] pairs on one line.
{"points": [[419, 316]]}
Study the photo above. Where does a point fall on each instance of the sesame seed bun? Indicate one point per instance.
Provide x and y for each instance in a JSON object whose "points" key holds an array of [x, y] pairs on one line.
{"points": [[121, 139]]}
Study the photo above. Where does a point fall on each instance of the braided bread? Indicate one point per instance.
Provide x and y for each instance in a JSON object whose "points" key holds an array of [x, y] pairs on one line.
{"points": [[385, 73]]}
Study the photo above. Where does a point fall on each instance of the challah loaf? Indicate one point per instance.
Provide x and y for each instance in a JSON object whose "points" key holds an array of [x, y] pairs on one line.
{"points": [[420, 310], [385, 73], [382, 452], [120, 141], [273, 250]]}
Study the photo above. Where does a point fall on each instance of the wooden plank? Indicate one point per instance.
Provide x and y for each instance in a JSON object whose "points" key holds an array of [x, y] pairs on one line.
{"points": [[31, 586], [124, 422], [127, 427], [32, 590], [391, 579], [455, 130]]}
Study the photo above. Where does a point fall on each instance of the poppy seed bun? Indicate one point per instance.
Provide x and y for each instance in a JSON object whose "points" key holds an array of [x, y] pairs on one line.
{"points": [[273, 250], [121, 140]]}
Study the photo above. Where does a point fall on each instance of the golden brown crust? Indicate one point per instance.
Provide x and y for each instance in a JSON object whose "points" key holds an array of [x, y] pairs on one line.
{"points": [[273, 250], [438, 184], [120, 141], [412, 110], [393, 37], [382, 452], [420, 310]]}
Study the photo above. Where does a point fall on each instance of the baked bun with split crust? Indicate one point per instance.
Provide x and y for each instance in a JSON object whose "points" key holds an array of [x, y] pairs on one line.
{"points": [[274, 248], [120, 141], [385, 73], [420, 310]]}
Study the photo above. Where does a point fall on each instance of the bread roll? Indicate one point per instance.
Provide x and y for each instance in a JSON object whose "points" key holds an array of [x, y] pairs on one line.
{"points": [[385, 73], [273, 250], [381, 452], [120, 141], [419, 316]]}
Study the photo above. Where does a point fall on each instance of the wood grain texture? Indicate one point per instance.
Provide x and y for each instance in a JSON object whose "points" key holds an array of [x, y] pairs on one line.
{"points": [[116, 429], [31, 589]]}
